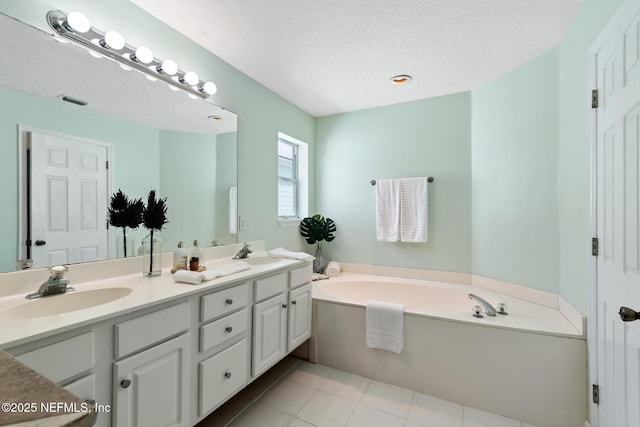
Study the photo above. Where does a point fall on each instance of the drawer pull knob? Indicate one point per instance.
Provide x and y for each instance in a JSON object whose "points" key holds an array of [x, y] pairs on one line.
{"points": [[125, 383], [293, 302], [228, 329], [229, 301], [227, 375]]}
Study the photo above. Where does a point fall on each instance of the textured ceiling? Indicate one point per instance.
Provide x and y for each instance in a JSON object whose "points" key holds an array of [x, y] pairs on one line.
{"points": [[332, 56]]}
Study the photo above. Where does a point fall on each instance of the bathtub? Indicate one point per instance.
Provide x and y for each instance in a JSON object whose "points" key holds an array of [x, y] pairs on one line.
{"points": [[530, 365]]}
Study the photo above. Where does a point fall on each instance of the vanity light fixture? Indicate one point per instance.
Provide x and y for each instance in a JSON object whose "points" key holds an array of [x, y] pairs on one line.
{"points": [[76, 28], [400, 79]]}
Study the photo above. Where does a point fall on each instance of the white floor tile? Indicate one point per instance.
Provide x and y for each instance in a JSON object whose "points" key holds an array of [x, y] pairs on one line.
{"points": [[364, 416], [326, 410], [310, 374], [528, 425], [295, 422], [477, 418], [387, 398], [408, 423], [346, 385], [434, 412], [287, 396], [261, 415]]}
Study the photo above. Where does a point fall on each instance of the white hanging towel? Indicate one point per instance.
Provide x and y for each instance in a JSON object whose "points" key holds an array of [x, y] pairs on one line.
{"points": [[385, 325], [413, 210], [388, 210], [233, 210]]}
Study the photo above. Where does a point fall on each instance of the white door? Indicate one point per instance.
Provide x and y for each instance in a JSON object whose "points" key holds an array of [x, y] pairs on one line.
{"points": [[617, 66], [69, 195]]}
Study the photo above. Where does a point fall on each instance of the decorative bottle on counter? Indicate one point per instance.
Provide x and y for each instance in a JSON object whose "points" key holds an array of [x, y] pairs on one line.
{"points": [[180, 257], [151, 255], [195, 257]]}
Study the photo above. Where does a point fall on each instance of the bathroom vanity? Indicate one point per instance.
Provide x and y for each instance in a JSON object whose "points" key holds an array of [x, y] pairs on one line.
{"points": [[167, 353]]}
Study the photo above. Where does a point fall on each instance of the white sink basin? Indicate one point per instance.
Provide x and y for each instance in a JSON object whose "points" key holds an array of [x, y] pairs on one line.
{"points": [[63, 303], [260, 260]]}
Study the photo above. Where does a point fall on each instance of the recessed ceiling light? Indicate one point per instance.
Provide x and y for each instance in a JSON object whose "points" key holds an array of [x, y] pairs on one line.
{"points": [[400, 79]]}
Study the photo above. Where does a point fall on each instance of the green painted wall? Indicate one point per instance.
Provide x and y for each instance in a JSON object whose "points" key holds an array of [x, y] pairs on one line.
{"points": [[422, 138], [514, 164], [226, 177], [190, 161], [573, 154]]}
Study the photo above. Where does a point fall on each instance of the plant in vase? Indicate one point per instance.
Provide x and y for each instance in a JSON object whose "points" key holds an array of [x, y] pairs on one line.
{"points": [[315, 229], [125, 213], [154, 217]]}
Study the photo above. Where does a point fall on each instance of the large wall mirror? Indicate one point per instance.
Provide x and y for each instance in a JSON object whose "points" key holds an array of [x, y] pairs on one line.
{"points": [[155, 139]]}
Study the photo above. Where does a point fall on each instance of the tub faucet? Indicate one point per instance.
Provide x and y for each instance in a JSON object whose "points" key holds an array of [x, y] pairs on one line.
{"points": [[488, 308], [56, 284], [244, 252]]}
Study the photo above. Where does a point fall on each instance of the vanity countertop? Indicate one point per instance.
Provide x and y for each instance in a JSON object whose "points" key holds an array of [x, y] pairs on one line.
{"points": [[30, 399], [145, 292]]}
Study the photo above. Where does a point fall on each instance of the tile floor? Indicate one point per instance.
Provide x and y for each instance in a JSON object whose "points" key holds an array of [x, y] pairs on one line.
{"points": [[301, 394]]}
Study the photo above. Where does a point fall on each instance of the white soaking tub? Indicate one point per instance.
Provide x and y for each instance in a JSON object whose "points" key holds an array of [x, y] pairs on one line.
{"points": [[529, 365]]}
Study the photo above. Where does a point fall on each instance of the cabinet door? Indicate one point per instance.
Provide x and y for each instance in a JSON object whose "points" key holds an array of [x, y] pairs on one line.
{"points": [[269, 332], [152, 388], [299, 316]]}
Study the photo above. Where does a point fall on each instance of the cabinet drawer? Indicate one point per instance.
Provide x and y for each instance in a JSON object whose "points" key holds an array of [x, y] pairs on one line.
{"points": [[223, 302], [62, 360], [222, 375], [222, 329], [151, 328], [269, 286], [84, 388], [300, 276]]}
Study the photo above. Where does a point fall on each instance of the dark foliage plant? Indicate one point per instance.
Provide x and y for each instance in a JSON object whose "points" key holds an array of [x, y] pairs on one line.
{"points": [[316, 229], [124, 213]]}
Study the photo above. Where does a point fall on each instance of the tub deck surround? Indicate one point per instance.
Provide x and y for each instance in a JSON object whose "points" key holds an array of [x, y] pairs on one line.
{"points": [[530, 365], [480, 284], [123, 273], [446, 301]]}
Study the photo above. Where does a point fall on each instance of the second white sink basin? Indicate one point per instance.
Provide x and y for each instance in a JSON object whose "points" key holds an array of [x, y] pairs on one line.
{"points": [[260, 260], [63, 303]]}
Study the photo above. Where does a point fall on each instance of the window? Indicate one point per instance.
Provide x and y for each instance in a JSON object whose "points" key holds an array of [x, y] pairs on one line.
{"points": [[292, 178]]}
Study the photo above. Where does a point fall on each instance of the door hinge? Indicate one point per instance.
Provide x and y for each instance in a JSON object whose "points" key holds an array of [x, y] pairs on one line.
{"points": [[594, 98], [595, 394], [594, 246], [107, 164]]}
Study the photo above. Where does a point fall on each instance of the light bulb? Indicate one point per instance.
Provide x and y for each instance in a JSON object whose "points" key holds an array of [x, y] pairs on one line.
{"points": [[143, 54], [112, 40], [208, 88], [167, 67], [78, 22], [190, 78]]}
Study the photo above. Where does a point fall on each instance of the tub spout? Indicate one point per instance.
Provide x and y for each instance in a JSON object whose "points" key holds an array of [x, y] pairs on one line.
{"points": [[488, 308]]}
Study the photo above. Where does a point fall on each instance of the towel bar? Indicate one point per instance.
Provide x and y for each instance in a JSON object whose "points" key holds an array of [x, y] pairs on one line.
{"points": [[429, 179]]}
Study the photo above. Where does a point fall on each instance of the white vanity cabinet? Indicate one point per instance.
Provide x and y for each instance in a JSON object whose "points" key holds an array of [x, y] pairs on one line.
{"points": [[151, 384], [224, 337], [281, 316]]}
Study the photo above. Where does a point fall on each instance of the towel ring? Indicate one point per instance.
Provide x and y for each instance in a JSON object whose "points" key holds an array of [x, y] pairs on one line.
{"points": [[429, 179]]}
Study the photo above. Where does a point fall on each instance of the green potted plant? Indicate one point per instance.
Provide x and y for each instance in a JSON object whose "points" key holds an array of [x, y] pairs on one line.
{"points": [[316, 229]]}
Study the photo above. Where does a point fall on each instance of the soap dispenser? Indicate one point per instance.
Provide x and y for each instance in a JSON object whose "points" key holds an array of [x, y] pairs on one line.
{"points": [[195, 257], [180, 257]]}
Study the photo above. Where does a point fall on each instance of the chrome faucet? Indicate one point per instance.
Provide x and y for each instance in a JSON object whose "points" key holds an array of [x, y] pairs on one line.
{"points": [[56, 284], [244, 252], [488, 308]]}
